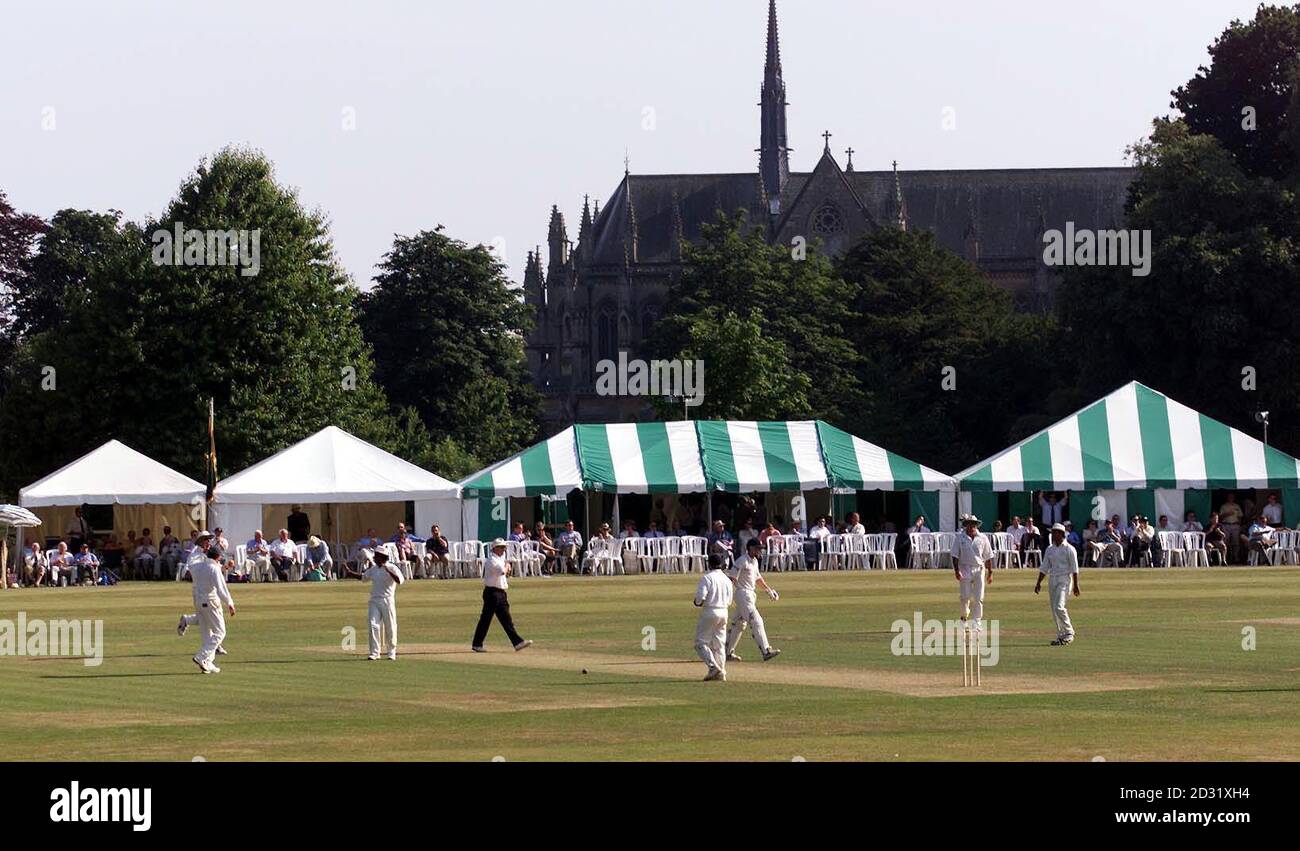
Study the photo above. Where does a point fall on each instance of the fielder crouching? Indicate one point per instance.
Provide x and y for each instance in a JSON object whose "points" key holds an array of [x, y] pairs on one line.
{"points": [[713, 596]]}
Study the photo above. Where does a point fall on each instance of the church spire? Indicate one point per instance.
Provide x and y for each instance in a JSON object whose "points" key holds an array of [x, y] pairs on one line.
{"points": [[774, 148], [899, 203], [631, 233], [585, 236]]}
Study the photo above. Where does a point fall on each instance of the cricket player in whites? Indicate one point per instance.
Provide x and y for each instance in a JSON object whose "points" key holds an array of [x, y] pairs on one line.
{"points": [[747, 579], [210, 594], [713, 597], [1061, 568], [197, 556], [384, 579], [972, 561]]}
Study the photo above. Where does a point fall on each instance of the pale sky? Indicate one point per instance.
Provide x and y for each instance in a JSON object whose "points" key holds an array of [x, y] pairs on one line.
{"points": [[480, 115]]}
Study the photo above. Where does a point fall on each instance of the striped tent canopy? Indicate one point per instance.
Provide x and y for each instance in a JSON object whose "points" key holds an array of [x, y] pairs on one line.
{"points": [[693, 457], [1134, 439]]}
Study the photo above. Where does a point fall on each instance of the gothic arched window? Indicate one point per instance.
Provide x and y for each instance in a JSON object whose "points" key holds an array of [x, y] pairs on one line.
{"points": [[606, 336], [649, 317], [827, 220]]}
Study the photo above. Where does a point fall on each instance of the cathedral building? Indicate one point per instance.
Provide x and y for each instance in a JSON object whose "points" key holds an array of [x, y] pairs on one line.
{"points": [[602, 294]]}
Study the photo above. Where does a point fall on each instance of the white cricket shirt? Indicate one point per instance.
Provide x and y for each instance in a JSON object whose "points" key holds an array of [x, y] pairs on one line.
{"points": [[494, 572], [383, 583], [746, 574], [209, 584], [1059, 561], [971, 553], [714, 591]]}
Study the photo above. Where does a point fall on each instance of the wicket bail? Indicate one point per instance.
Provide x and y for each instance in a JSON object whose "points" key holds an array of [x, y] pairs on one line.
{"points": [[971, 665]]}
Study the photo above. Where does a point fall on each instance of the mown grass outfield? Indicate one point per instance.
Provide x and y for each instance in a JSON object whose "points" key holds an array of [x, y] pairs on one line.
{"points": [[1158, 673]]}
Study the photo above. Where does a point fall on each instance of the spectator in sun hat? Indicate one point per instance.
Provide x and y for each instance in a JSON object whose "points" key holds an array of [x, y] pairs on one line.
{"points": [[318, 556]]}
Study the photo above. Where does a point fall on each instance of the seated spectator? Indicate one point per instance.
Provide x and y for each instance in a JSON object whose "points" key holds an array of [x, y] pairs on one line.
{"points": [[35, 565], [284, 553], [221, 542], [87, 566], [1140, 541], [1109, 544], [853, 525], [653, 531], [169, 552], [1088, 537], [746, 533], [769, 531], [677, 531], [1073, 538], [547, 547], [258, 553], [812, 545], [795, 531], [569, 545], [63, 566], [603, 541], [405, 545], [1016, 530], [436, 550], [1029, 539], [631, 562], [1190, 523], [1261, 538], [145, 557], [998, 527], [720, 541], [518, 535], [1157, 551], [919, 527], [1272, 511], [187, 548], [1216, 539], [318, 556]]}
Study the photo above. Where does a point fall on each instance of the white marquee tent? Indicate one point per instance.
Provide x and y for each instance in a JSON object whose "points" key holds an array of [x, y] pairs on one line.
{"points": [[115, 474], [343, 484]]}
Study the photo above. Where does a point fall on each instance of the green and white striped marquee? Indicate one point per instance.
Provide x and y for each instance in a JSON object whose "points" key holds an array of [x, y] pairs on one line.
{"points": [[694, 457], [1134, 439]]}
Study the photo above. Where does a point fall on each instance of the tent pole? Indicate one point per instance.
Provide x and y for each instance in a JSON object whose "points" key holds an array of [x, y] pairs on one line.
{"points": [[4, 561]]}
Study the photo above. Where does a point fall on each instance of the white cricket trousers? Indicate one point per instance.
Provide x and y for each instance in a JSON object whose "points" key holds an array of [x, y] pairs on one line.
{"points": [[711, 638], [972, 595], [212, 625], [1058, 594], [746, 615], [383, 627]]}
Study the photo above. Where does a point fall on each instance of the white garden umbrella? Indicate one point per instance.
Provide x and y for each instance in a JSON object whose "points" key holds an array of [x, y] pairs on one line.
{"points": [[12, 516]]}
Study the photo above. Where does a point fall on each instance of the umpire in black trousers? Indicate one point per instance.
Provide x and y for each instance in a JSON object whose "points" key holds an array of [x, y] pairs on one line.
{"points": [[495, 601]]}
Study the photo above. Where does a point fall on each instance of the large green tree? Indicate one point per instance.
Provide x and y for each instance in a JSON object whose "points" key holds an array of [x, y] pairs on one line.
{"points": [[801, 307], [1220, 298], [279, 349], [74, 246], [18, 235], [447, 330], [748, 375], [947, 367], [1244, 97]]}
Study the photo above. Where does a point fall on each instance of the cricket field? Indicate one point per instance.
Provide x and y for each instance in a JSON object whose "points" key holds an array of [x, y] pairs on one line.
{"points": [[1169, 664]]}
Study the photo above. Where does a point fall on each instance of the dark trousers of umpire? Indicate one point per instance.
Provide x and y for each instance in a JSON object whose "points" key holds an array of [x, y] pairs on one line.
{"points": [[496, 603]]}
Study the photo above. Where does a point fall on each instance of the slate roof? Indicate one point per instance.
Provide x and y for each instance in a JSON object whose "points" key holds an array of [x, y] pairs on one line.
{"points": [[1007, 204]]}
